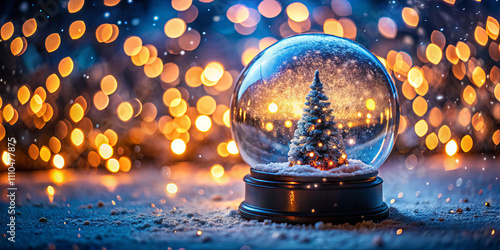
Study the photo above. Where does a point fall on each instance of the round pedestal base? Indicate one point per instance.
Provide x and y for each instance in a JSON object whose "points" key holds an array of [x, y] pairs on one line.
{"points": [[312, 199]]}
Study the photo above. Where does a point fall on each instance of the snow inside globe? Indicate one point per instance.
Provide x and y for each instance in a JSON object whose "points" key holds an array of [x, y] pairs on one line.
{"points": [[317, 105]]}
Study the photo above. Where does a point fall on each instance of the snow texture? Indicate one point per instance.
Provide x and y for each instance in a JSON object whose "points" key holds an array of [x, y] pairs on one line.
{"points": [[355, 167]]}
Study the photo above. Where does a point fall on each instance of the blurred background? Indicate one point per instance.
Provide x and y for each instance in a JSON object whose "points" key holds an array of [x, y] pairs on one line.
{"points": [[119, 85]]}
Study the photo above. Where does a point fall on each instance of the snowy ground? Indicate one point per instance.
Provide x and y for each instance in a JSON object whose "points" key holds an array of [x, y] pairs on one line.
{"points": [[429, 208]]}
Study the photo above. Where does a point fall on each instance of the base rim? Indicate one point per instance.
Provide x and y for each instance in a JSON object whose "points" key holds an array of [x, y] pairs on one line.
{"points": [[254, 213]]}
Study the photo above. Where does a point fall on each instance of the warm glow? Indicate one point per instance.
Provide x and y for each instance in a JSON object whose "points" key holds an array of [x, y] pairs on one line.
{"points": [[273, 108], [333, 27], [172, 97], [7, 31], [297, 12], [6, 158], [181, 5], [421, 128], [125, 164], [213, 72], [203, 123], [77, 29], [52, 83], [8, 113], [52, 42], [101, 100], [76, 112], [75, 5], [410, 17], [178, 146], [105, 151], [415, 77], [29, 27], [23, 94], [113, 165], [125, 111], [217, 171], [492, 27], [288, 124], [132, 45], [58, 161], [469, 95], [45, 154], [481, 36], [462, 51], [444, 134], [109, 84], [222, 149], [77, 136], [206, 105], [172, 188], [175, 27], [478, 76], [50, 190], [65, 66], [433, 53], [431, 141], [419, 106], [269, 126], [466, 143], [232, 148], [451, 148]]}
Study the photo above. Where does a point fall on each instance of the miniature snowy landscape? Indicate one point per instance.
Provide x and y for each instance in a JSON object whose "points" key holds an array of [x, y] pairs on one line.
{"points": [[355, 167]]}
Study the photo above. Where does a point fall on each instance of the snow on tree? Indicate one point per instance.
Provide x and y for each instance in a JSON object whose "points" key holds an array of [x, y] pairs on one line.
{"points": [[317, 140]]}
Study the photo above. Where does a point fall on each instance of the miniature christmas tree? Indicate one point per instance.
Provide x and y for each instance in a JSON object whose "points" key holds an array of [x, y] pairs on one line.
{"points": [[317, 140]]}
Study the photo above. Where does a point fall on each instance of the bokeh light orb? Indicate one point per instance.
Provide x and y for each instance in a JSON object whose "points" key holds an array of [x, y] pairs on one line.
{"points": [[269, 98]]}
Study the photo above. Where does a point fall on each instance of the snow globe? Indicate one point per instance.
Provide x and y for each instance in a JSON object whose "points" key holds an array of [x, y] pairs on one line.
{"points": [[314, 116]]}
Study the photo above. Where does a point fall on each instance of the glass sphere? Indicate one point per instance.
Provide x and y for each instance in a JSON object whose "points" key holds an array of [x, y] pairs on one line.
{"points": [[269, 98]]}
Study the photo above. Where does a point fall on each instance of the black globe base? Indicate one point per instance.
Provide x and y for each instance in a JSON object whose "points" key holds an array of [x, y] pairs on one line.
{"points": [[311, 199]]}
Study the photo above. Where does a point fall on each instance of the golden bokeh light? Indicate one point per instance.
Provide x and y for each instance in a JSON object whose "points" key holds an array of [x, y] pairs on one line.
{"points": [[175, 27], [433, 53], [232, 148], [492, 27], [52, 42], [33, 151], [29, 27], [7, 31], [435, 117], [203, 123], [58, 161], [18, 46], [451, 148], [193, 77], [170, 72], [111, 3], [273, 108], [101, 100], [23, 94], [431, 141], [45, 153], [466, 143], [76, 112], [419, 106], [104, 32], [421, 128], [77, 137], [125, 163], [333, 27], [178, 146], [132, 46], [410, 17], [75, 5], [65, 66], [172, 97], [481, 36], [213, 72], [463, 51], [113, 165], [105, 151], [464, 117], [496, 137], [125, 111], [217, 171], [206, 105], [469, 95], [172, 188], [77, 29], [248, 55], [298, 12], [444, 134], [52, 83], [153, 69], [478, 77], [178, 110], [8, 112], [222, 149], [109, 84], [55, 145], [477, 121]]}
